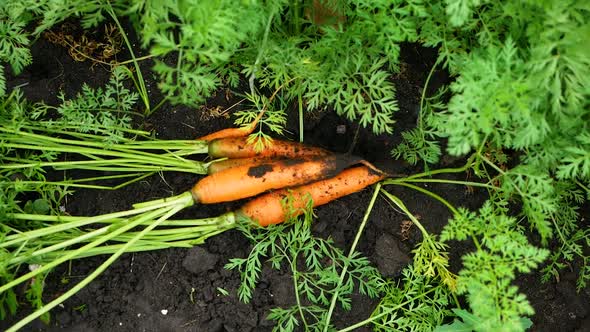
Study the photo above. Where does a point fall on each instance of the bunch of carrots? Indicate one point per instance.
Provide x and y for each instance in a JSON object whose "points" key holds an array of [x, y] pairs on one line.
{"points": [[286, 168], [280, 171]]}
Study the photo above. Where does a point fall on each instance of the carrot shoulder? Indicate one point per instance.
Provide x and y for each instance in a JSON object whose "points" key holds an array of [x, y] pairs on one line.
{"points": [[269, 208], [225, 133], [246, 181], [239, 147]]}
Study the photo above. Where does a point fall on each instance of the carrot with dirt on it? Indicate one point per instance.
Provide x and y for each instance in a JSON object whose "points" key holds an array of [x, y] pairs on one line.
{"points": [[246, 181], [269, 209], [221, 165], [239, 147]]}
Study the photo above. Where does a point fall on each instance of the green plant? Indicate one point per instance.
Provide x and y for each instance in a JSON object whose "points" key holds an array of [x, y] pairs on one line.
{"points": [[415, 303], [316, 283], [501, 250], [110, 108], [102, 111], [345, 65], [521, 87], [202, 36], [63, 238], [13, 46], [273, 120], [422, 143]]}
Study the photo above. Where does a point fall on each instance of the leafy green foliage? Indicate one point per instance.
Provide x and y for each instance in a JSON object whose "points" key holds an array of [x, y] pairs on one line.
{"points": [[315, 265], [416, 303], [418, 145], [274, 119], [459, 11], [521, 83], [100, 108], [468, 322], [537, 195], [576, 163], [432, 260], [345, 66], [8, 301], [13, 47], [421, 143], [502, 250], [572, 237], [34, 294], [10, 193], [202, 35]]}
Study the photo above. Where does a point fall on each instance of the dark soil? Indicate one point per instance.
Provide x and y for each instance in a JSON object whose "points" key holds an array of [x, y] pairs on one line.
{"points": [[178, 289]]}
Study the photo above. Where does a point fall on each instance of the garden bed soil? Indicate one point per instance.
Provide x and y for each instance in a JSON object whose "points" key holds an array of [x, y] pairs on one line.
{"points": [[179, 289]]}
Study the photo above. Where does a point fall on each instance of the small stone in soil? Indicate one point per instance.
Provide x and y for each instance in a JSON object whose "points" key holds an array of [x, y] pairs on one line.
{"points": [[390, 259], [199, 260]]}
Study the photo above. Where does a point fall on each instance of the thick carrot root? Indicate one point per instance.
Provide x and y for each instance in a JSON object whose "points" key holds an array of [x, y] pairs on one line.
{"points": [[218, 166], [270, 208], [247, 181], [239, 147]]}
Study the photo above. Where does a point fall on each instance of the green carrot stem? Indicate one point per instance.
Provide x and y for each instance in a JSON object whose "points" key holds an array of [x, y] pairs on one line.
{"points": [[94, 274], [150, 159], [46, 126], [26, 236], [155, 201], [144, 245], [433, 195], [458, 182], [65, 184], [386, 311], [136, 169], [94, 153], [46, 267], [403, 207], [350, 253], [66, 219], [60, 245], [195, 145], [75, 163]]}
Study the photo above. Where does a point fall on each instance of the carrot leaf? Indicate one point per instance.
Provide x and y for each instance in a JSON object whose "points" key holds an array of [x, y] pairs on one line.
{"points": [[292, 244]]}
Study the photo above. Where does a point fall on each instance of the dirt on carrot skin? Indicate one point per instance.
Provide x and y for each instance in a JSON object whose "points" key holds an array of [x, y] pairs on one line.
{"points": [[260, 170], [183, 289]]}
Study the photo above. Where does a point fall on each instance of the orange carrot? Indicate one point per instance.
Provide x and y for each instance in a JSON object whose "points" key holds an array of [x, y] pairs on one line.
{"points": [[233, 132], [218, 166], [239, 147], [269, 209], [246, 181]]}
